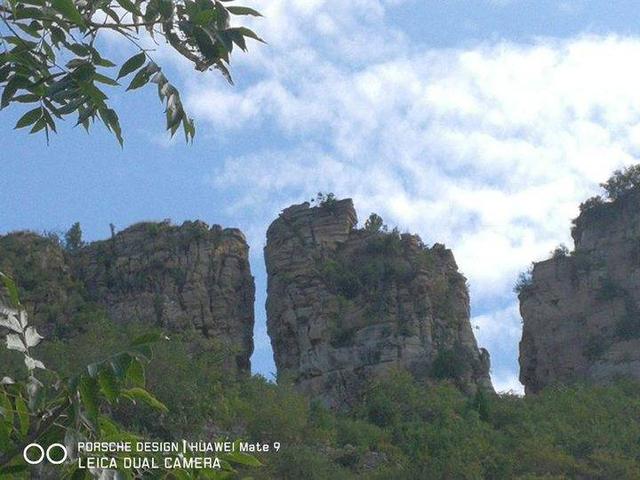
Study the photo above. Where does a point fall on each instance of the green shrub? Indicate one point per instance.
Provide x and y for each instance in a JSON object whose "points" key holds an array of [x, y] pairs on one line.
{"points": [[271, 412], [424, 430], [451, 364], [369, 272], [524, 284], [73, 238], [375, 224], [561, 251], [622, 182], [359, 432], [328, 201], [304, 463], [341, 279], [585, 261], [591, 204]]}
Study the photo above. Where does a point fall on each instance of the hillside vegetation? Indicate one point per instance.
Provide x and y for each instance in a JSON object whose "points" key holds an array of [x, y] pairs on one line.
{"points": [[400, 430]]}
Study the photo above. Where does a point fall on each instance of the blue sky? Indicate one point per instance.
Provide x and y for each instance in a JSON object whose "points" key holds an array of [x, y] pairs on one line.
{"points": [[480, 124]]}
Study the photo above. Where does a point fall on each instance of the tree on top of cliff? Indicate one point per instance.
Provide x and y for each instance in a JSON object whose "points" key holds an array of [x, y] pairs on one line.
{"points": [[326, 200], [375, 224], [73, 238], [50, 57], [617, 186], [622, 181]]}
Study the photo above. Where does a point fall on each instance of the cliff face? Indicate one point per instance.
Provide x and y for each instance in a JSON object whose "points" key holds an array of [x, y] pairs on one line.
{"points": [[346, 305], [581, 311], [179, 278]]}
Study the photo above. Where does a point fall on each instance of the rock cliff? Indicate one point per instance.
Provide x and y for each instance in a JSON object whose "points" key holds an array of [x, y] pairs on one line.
{"points": [[346, 305], [177, 277], [581, 309]]}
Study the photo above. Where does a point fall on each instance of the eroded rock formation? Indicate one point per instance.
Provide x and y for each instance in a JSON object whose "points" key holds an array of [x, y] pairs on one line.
{"points": [[581, 310], [177, 277], [346, 305]]}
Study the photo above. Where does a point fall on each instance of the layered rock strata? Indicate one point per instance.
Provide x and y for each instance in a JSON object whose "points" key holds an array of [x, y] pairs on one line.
{"points": [[581, 310], [188, 277], [346, 306]]}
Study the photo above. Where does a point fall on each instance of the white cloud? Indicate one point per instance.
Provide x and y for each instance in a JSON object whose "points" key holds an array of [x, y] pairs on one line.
{"points": [[488, 148]]}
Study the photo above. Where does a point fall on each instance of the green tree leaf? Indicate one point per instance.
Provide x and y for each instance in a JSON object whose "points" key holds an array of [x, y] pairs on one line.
{"points": [[242, 459], [139, 80], [7, 408], [131, 65], [249, 33], [135, 373], [89, 396], [69, 10], [23, 415], [11, 288], [31, 71], [108, 384], [140, 394], [129, 6], [244, 11]]}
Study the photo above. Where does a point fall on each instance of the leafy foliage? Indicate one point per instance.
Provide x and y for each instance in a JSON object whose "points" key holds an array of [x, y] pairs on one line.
{"points": [[50, 60], [370, 272], [561, 251], [73, 238], [374, 224], [401, 429], [325, 200], [524, 282], [51, 408], [622, 181], [451, 363], [620, 184]]}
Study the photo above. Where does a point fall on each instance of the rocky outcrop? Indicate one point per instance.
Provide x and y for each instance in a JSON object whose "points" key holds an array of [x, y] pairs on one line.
{"points": [[581, 309], [188, 277], [346, 305]]}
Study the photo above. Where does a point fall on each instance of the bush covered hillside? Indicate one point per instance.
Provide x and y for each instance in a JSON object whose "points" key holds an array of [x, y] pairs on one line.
{"points": [[401, 429], [192, 286]]}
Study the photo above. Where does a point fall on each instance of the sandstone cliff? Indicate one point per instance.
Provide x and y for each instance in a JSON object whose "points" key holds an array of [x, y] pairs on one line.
{"points": [[346, 305], [177, 277], [581, 310]]}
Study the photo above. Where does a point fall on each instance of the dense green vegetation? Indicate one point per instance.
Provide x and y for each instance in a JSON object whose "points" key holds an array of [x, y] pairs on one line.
{"points": [[369, 271], [621, 184], [401, 429], [82, 395]]}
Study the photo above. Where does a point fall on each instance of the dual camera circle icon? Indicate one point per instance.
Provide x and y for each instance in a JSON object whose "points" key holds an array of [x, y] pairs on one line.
{"points": [[34, 453]]}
